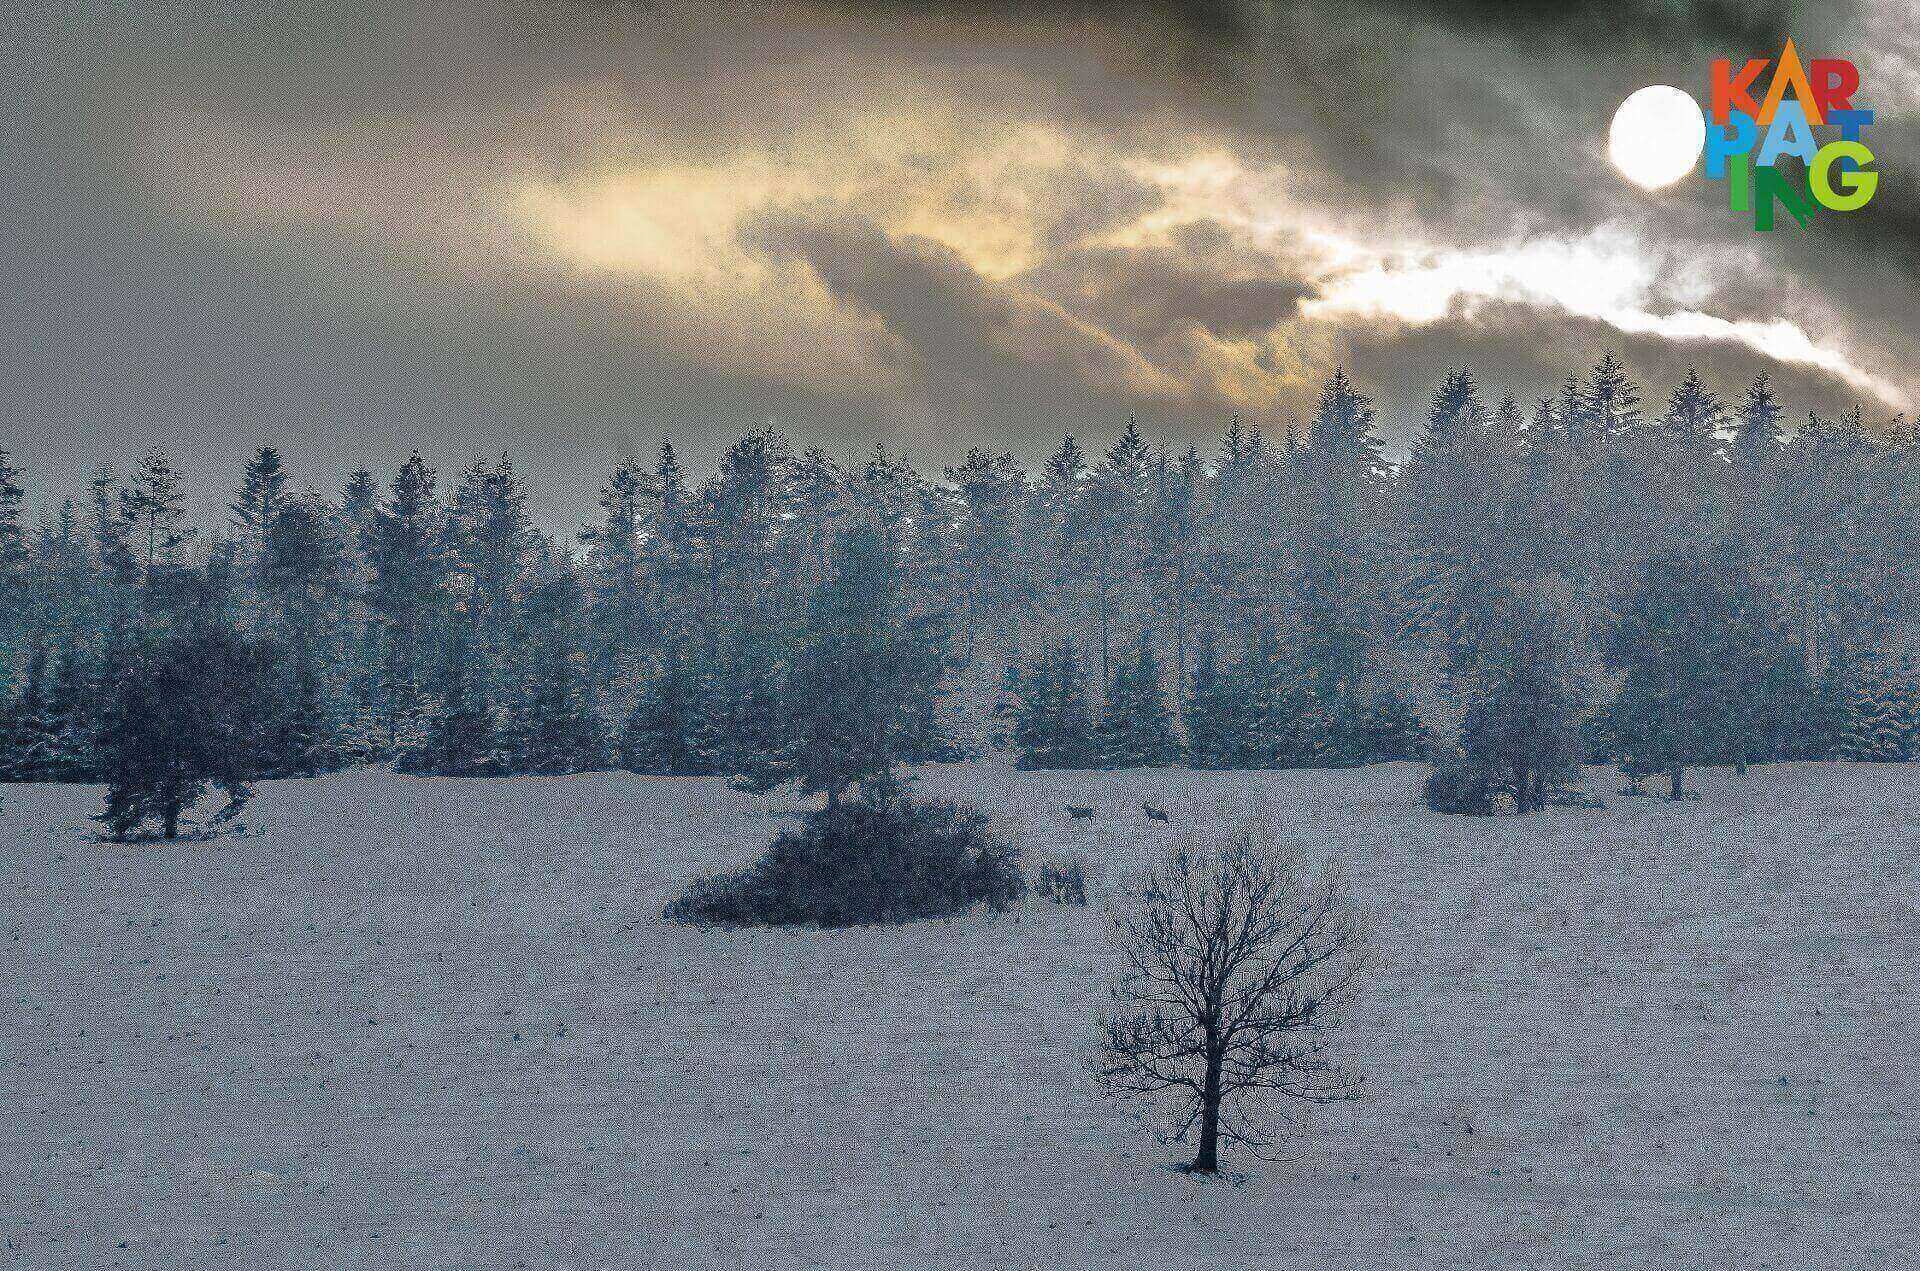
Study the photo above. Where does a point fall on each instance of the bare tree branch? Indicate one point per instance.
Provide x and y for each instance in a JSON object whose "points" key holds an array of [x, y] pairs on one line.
{"points": [[1235, 971]]}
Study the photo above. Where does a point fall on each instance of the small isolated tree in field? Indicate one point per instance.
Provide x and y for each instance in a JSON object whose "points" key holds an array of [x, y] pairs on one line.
{"points": [[1236, 968], [182, 717]]}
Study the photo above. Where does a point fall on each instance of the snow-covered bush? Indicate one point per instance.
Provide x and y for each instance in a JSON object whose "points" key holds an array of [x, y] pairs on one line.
{"points": [[860, 862]]}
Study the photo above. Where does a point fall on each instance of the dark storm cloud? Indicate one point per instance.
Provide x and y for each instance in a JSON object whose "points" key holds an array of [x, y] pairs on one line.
{"points": [[1201, 278], [190, 296], [976, 347]]}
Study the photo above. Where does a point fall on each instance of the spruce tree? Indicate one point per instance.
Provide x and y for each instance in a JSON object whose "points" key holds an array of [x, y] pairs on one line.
{"points": [[257, 500], [1136, 729], [296, 737], [462, 737], [1285, 724], [1053, 726], [1883, 724], [1674, 634], [1215, 723], [1520, 736], [404, 549], [26, 726], [616, 568], [1756, 428], [15, 558], [183, 712], [552, 727], [153, 510], [670, 732], [845, 689]]}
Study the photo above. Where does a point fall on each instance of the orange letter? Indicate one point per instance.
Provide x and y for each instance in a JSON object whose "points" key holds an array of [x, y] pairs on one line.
{"points": [[1790, 72]]}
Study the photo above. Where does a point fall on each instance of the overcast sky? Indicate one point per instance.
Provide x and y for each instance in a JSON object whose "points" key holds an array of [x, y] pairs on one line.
{"points": [[566, 230]]}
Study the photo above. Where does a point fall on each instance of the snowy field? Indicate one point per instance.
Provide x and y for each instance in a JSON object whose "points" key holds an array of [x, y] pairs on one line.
{"points": [[438, 1023]]}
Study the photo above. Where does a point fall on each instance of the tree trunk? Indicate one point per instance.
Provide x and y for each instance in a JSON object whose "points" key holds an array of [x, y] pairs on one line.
{"points": [[1207, 1161], [172, 823], [1677, 776]]}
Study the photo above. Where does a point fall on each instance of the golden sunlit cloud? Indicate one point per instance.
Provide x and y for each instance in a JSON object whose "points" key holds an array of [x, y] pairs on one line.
{"points": [[1004, 200]]}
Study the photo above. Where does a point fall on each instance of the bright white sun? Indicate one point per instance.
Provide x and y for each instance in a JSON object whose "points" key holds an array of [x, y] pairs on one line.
{"points": [[1656, 137]]}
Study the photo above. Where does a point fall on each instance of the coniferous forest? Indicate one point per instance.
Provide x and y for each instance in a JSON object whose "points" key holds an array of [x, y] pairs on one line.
{"points": [[1609, 575]]}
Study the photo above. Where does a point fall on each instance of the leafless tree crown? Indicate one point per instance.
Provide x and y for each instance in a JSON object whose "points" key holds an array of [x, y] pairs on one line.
{"points": [[1236, 967]]}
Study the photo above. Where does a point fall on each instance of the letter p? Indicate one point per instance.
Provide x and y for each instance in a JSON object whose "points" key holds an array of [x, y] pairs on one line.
{"points": [[1720, 145]]}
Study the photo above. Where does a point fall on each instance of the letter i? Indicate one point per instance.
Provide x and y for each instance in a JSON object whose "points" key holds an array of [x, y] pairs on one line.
{"points": [[1739, 184]]}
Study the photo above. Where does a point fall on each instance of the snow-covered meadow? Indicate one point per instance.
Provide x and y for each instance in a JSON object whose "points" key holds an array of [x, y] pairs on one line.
{"points": [[439, 1023]]}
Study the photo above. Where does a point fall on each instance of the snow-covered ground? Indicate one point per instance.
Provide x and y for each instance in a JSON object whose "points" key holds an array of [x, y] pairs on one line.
{"points": [[438, 1023]]}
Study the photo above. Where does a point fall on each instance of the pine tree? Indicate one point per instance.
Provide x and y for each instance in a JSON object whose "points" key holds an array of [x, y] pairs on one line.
{"points": [[1136, 729], [180, 721], [1053, 726], [670, 732], [1216, 727], [257, 501]]}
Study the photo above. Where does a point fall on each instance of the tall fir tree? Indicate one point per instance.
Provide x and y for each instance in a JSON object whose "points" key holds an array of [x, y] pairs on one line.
{"points": [[670, 731], [1052, 722], [1216, 725], [1136, 728]]}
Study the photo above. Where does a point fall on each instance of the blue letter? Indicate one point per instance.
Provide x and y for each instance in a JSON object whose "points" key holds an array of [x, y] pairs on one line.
{"points": [[1720, 145], [1789, 133]]}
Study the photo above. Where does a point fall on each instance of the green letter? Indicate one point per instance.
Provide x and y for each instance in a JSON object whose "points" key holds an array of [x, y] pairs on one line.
{"points": [[1859, 186], [1770, 184]]}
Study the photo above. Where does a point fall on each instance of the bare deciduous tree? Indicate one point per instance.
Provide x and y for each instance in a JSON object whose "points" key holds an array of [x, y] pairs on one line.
{"points": [[1236, 968]]}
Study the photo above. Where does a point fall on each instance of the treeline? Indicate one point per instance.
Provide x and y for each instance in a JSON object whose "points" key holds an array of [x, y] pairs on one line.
{"points": [[1701, 587]]}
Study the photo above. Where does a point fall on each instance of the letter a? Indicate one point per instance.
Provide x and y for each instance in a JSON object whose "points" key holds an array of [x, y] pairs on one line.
{"points": [[1790, 72], [1789, 134]]}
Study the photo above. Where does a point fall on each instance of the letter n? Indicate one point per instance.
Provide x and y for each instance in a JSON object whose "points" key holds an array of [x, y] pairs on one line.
{"points": [[1771, 184]]}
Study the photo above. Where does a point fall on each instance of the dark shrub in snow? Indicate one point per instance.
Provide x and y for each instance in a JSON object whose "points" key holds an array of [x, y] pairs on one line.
{"points": [[1453, 786], [863, 862], [1064, 883]]}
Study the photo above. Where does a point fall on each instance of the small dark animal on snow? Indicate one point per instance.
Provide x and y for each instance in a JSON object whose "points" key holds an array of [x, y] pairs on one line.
{"points": [[1153, 813], [1079, 814]]}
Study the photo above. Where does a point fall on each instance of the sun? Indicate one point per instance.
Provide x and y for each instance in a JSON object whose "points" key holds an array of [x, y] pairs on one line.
{"points": [[1657, 136]]}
